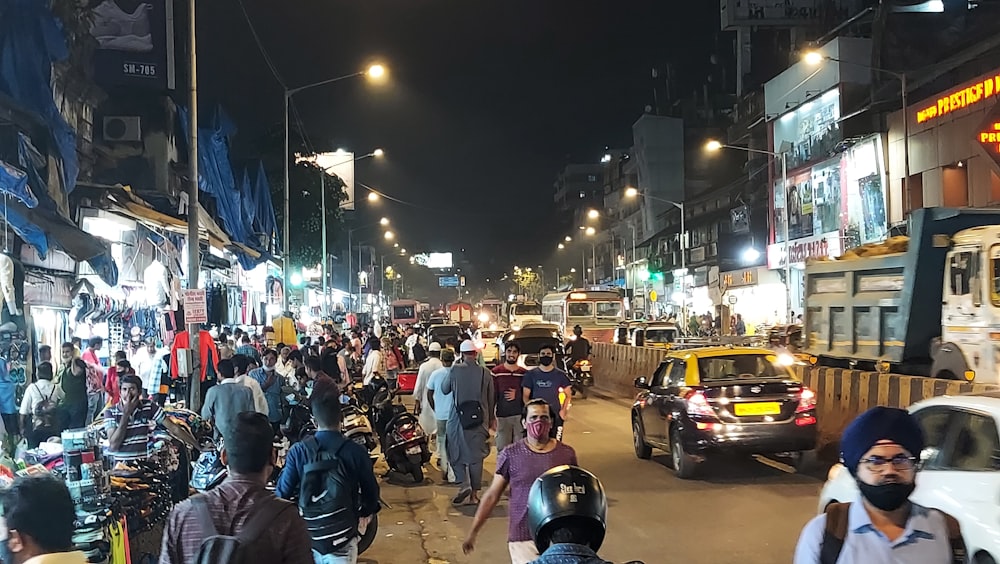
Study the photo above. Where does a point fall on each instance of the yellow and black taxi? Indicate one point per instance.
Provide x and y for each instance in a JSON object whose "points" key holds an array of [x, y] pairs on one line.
{"points": [[718, 400], [656, 335]]}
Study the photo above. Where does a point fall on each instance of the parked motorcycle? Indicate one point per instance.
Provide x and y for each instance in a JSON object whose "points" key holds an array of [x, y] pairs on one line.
{"points": [[404, 443], [356, 427], [581, 377]]}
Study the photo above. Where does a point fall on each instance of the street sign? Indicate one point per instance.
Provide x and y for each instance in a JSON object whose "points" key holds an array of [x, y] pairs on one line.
{"points": [[732, 300], [652, 295], [195, 306]]}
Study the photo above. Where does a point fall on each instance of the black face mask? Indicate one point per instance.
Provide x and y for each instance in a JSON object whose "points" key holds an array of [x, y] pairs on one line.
{"points": [[887, 497], [546, 360]]}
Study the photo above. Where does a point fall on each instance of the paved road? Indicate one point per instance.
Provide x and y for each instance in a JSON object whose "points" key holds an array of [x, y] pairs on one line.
{"points": [[738, 511]]}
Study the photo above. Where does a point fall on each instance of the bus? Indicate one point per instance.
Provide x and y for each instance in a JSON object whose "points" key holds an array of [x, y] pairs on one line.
{"points": [[523, 313], [597, 312], [404, 312]]}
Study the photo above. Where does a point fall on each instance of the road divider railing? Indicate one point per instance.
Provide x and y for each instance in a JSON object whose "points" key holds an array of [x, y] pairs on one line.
{"points": [[841, 394]]}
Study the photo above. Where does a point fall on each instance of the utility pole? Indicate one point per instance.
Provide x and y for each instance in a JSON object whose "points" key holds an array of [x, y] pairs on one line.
{"points": [[194, 261]]}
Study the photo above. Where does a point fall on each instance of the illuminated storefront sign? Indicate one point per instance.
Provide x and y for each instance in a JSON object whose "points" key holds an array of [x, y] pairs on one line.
{"points": [[991, 139], [961, 98], [817, 246], [739, 278]]}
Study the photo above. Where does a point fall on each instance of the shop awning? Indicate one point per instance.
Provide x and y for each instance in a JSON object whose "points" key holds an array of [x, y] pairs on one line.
{"points": [[128, 204], [75, 242]]}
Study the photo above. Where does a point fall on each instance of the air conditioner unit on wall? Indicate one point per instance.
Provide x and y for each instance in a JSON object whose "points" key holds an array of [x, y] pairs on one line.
{"points": [[122, 128]]}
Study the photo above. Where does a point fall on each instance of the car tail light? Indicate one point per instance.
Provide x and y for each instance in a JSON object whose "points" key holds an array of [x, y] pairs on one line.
{"points": [[698, 405], [806, 420], [807, 400]]}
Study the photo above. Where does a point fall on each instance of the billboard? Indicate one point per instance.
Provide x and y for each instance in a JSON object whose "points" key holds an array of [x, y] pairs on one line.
{"points": [[448, 281], [340, 164], [135, 43], [433, 260], [785, 13]]}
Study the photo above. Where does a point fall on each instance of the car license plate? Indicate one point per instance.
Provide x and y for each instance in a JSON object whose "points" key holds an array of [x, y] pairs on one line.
{"points": [[413, 450], [585, 368], [764, 408]]}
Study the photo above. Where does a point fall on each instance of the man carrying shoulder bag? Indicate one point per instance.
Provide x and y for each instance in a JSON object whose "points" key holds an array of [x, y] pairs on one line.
{"points": [[470, 423]]}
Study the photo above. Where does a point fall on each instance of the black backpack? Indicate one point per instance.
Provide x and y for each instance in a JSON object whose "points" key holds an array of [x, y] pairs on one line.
{"points": [[836, 531], [244, 547], [419, 353], [328, 498]]}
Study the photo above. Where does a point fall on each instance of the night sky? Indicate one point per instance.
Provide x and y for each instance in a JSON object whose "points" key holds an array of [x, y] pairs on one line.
{"points": [[487, 100]]}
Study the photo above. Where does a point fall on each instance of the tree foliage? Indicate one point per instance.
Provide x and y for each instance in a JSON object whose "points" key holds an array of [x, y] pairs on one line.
{"points": [[528, 283], [305, 181]]}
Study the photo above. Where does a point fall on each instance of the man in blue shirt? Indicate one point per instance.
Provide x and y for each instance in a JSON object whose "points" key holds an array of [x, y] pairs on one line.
{"points": [[270, 383], [880, 449], [550, 384], [326, 409], [246, 349]]}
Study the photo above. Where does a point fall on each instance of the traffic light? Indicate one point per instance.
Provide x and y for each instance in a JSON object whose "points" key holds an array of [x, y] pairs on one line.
{"points": [[657, 276]]}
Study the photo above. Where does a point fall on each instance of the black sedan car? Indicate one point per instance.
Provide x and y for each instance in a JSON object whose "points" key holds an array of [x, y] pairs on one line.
{"points": [[708, 401]]}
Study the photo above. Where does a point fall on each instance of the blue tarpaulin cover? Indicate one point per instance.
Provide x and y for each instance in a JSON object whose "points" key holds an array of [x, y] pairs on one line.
{"points": [[31, 39], [14, 182], [236, 203]]}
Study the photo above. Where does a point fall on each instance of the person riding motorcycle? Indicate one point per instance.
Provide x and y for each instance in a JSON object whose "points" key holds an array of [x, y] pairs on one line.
{"points": [[567, 516], [579, 347]]}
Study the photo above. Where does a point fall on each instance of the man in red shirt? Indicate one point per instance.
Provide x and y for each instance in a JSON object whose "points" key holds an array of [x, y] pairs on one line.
{"points": [[507, 382]]}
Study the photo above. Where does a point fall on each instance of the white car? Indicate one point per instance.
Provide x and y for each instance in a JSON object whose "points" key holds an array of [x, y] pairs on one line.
{"points": [[960, 469]]}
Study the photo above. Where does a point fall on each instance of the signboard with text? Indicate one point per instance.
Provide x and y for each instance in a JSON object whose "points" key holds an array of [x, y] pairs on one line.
{"points": [[135, 43], [988, 134], [195, 306], [969, 94], [801, 250]]}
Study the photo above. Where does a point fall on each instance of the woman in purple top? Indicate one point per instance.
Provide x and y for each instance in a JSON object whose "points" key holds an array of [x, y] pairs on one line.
{"points": [[519, 465]]}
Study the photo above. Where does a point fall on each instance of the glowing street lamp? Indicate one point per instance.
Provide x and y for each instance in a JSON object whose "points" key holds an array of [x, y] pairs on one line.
{"points": [[378, 153], [389, 235], [568, 239], [593, 214], [631, 192], [590, 231], [561, 246], [376, 72], [373, 197], [713, 145], [384, 221]]}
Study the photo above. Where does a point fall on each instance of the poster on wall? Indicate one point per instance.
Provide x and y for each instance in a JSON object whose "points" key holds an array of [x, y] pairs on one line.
{"points": [[827, 192], [134, 43], [800, 207], [864, 190]]}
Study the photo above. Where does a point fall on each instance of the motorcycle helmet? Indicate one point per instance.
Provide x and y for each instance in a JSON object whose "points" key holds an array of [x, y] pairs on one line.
{"points": [[577, 330], [567, 495]]}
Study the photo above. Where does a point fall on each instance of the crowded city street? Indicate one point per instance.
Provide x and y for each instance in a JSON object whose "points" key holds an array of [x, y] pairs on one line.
{"points": [[533, 281], [747, 510]]}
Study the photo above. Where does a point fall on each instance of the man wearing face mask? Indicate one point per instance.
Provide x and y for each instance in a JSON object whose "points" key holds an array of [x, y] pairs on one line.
{"points": [[270, 383], [519, 465], [550, 384], [880, 449]]}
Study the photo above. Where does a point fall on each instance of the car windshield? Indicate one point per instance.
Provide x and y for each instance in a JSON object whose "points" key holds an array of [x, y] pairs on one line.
{"points": [[580, 309], [444, 333], [532, 345], [489, 334], [661, 335], [609, 309], [739, 366], [402, 312], [528, 309]]}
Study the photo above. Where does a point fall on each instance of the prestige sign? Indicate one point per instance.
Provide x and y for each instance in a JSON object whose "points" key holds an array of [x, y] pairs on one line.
{"points": [[991, 139], [961, 98]]}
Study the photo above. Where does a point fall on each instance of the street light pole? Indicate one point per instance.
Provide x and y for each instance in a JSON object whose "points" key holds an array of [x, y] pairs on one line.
{"points": [[194, 260], [815, 57], [289, 92], [715, 146]]}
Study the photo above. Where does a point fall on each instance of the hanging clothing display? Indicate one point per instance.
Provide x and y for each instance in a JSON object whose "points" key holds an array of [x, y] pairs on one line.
{"points": [[157, 284], [208, 353], [7, 285]]}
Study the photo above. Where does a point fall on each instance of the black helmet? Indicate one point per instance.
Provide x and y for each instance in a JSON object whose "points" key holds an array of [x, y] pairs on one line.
{"points": [[577, 330], [567, 494]]}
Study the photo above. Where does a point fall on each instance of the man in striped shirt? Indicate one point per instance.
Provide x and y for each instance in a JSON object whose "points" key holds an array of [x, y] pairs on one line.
{"points": [[130, 422]]}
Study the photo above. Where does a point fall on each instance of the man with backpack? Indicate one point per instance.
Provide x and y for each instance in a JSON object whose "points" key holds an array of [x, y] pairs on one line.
{"points": [[239, 521], [39, 407], [333, 479], [880, 449]]}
